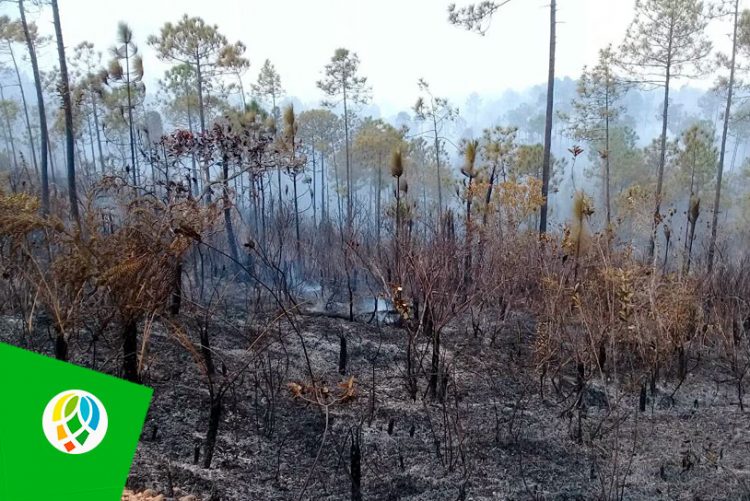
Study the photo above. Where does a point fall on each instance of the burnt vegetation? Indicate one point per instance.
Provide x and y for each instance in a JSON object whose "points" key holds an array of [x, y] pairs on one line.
{"points": [[334, 306]]}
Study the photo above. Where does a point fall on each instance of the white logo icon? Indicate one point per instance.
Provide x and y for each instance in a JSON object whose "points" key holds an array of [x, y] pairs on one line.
{"points": [[75, 422]]}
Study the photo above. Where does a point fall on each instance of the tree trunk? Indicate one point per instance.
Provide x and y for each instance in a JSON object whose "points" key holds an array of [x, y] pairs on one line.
{"points": [[130, 351], [61, 346], [469, 238], [411, 378], [69, 139], [263, 210], [278, 167], [312, 192], [214, 418], [231, 240], [199, 75], [691, 239], [206, 350], [53, 176], [338, 191], [377, 204], [40, 105], [397, 243], [724, 132], [349, 220], [488, 195], [296, 214], [606, 162], [25, 108], [437, 165], [342, 354], [431, 333], [98, 134], [194, 171], [662, 153], [91, 137], [9, 127], [548, 122], [202, 115], [355, 461], [323, 204], [130, 116]]}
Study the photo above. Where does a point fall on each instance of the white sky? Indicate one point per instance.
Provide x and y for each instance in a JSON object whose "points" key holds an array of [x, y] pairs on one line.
{"points": [[398, 41]]}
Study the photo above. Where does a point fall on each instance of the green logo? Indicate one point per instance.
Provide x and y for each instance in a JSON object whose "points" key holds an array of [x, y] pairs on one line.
{"points": [[62, 422]]}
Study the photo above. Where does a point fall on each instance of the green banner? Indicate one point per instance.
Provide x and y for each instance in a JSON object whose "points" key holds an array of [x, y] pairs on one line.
{"points": [[66, 433]]}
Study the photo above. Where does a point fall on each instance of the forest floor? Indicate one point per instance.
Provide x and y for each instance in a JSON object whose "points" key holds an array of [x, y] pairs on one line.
{"points": [[495, 437]]}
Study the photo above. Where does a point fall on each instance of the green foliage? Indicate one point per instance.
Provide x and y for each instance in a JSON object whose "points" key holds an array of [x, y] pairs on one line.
{"points": [[596, 106], [696, 160], [373, 143], [232, 58], [269, 88], [528, 163], [190, 41], [474, 17], [437, 111], [499, 150], [319, 129], [627, 159], [667, 33], [341, 78], [9, 109], [178, 94]]}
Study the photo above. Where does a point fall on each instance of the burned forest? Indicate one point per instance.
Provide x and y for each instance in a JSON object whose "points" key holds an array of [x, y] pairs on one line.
{"points": [[355, 282]]}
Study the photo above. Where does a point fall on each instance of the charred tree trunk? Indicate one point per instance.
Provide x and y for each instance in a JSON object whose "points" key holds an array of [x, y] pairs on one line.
{"points": [[69, 139], [25, 108], [202, 116], [130, 351], [662, 156], [40, 105], [431, 333], [206, 351], [411, 378], [355, 460], [98, 133], [214, 418], [546, 164], [61, 346], [231, 240], [723, 149], [682, 359], [342, 354], [296, 215]]}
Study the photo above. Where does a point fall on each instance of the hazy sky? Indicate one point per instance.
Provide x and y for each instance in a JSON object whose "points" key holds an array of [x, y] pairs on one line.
{"points": [[398, 41]]}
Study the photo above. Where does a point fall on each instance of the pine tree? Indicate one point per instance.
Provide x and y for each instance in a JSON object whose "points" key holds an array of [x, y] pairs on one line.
{"points": [[129, 76], [191, 41], [477, 17], [233, 61], [595, 109], [731, 62], [44, 137], [436, 111], [68, 110], [344, 86], [666, 40], [269, 88]]}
